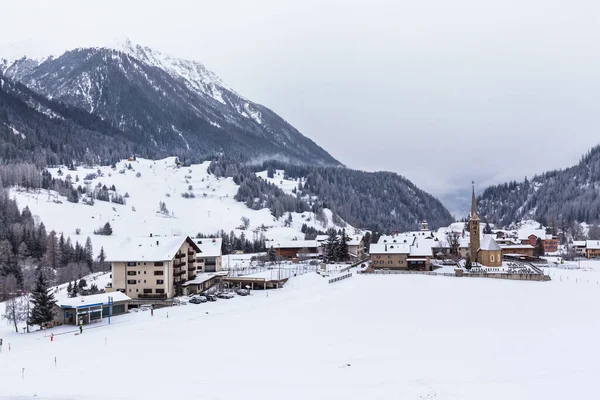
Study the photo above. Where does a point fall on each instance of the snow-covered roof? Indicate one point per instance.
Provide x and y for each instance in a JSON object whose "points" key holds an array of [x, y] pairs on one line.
{"points": [[209, 247], [201, 278], [321, 238], [354, 240], [579, 243], [524, 234], [593, 244], [157, 248], [488, 243], [291, 244], [390, 239], [86, 301], [516, 246], [389, 248], [421, 250]]}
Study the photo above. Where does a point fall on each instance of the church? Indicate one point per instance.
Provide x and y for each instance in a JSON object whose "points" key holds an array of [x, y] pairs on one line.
{"points": [[482, 249]]}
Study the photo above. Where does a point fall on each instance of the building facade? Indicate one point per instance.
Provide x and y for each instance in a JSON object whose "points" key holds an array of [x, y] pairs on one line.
{"points": [[153, 267]]}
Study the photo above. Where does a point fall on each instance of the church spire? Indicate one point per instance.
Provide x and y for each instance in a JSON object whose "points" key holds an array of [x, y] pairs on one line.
{"points": [[473, 202]]}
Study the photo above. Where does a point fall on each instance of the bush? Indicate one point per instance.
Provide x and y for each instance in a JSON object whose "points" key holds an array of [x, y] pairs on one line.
{"points": [[105, 230], [77, 231], [138, 175]]}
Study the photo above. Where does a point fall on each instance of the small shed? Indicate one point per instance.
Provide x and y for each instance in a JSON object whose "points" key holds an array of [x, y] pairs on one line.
{"points": [[88, 309]]}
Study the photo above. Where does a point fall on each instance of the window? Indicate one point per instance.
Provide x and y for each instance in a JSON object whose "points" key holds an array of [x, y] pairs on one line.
{"points": [[144, 281], [160, 282], [378, 256], [131, 272], [144, 271], [492, 258], [129, 290], [144, 263], [147, 291], [389, 257], [131, 264], [200, 260], [131, 282], [138, 263], [160, 291], [158, 264], [159, 273], [137, 290]]}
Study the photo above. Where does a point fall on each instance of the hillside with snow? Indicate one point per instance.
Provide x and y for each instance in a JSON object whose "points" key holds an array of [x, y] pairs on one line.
{"points": [[208, 206]]}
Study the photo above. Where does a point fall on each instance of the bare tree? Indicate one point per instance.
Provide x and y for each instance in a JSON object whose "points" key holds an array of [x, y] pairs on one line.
{"points": [[16, 307], [245, 222], [453, 239]]}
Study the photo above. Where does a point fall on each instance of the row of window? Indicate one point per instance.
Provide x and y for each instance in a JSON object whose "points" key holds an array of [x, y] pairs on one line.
{"points": [[389, 262], [149, 291], [134, 282], [130, 273], [135, 264]]}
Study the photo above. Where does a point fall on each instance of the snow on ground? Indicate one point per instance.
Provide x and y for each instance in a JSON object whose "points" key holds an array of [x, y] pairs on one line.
{"points": [[212, 209], [287, 185], [367, 337]]}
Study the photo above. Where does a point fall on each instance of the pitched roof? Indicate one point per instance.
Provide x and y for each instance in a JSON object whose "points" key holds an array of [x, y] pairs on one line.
{"points": [[209, 247], [390, 248], [488, 243], [291, 244], [146, 248], [593, 244]]}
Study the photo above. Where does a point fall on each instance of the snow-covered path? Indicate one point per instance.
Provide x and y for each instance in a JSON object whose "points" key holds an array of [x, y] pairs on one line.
{"points": [[367, 337]]}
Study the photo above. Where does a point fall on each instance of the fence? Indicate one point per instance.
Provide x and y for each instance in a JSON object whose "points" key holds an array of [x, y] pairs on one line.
{"points": [[354, 265], [512, 276], [339, 278]]}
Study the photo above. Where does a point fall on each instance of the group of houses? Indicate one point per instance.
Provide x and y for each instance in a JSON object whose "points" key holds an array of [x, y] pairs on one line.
{"points": [[306, 249], [587, 248]]}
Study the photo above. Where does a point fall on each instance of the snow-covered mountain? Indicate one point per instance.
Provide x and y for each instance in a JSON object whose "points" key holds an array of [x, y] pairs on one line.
{"points": [[177, 107]]}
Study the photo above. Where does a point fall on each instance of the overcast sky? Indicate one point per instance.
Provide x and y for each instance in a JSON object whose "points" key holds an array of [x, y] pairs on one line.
{"points": [[439, 91]]}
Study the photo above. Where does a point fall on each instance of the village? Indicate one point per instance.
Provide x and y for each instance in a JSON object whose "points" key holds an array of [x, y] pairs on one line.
{"points": [[157, 271]]}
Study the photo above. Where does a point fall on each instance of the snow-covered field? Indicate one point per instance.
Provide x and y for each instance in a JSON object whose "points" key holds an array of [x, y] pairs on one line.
{"points": [[212, 209], [367, 337]]}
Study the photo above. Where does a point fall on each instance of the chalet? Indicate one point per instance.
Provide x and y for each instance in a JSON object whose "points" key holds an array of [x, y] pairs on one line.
{"points": [[400, 256], [592, 249], [580, 247], [153, 267], [517, 249], [294, 248], [549, 242]]}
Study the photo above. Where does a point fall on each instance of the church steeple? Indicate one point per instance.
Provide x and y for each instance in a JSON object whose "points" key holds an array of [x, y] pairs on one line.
{"points": [[473, 202], [474, 238]]}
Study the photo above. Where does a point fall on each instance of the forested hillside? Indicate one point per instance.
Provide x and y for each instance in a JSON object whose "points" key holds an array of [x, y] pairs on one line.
{"points": [[566, 196], [379, 201]]}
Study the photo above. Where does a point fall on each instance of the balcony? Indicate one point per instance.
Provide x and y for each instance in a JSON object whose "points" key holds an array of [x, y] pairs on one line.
{"points": [[180, 255], [178, 273], [178, 264], [191, 253], [157, 296], [191, 268], [191, 259]]}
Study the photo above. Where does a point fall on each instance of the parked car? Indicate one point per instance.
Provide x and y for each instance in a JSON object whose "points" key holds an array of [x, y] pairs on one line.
{"points": [[145, 307], [177, 302], [195, 300], [211, 297], [202, 299], [225, 295], [242, 292]]}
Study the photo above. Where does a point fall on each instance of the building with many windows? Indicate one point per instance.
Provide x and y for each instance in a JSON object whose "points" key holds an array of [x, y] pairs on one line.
{"points": [[152, 267]]}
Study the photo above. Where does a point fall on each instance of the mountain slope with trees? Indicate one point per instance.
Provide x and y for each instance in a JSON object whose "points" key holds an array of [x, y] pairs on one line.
{"points": [[555, 198]]}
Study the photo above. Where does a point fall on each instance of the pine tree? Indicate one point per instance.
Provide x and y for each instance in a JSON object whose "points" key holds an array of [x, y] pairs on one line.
{"points": [[272, 254], [331, 246], [89, 254], [342, 247], [43, 302], [69, 287], [102, 255], [82, 283], [487, 229], [74, 290]]}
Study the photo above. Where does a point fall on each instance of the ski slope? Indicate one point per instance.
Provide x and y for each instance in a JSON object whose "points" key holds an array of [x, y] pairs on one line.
{"points": [[367, 337], [213, 207]]}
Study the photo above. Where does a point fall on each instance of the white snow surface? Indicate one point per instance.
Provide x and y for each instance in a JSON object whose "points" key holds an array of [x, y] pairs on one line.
{"points": [[212, 209], [360, 338]]}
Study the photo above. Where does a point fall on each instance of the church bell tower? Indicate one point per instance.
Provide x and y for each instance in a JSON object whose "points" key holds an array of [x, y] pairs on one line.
{"points": [[474, 242]]}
